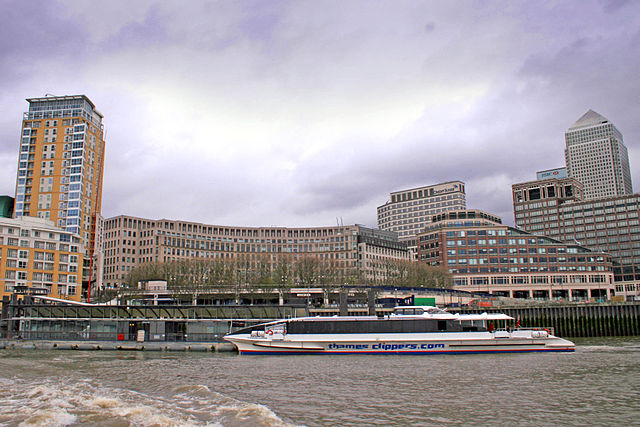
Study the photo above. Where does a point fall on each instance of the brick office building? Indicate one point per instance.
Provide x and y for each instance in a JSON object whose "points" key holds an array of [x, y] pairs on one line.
{"points": [[485, 255]]}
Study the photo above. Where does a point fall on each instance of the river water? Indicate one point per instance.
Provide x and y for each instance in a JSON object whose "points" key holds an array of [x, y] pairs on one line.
{"points": [[599, 384]]}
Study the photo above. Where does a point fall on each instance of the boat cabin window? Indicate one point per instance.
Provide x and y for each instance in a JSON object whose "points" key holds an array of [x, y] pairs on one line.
{"points": [[281, 326], [397, 325], [408, 311], [473, 326]]}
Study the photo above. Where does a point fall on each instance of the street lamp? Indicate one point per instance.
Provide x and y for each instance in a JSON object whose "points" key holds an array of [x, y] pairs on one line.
{"points": [[283, 281]]}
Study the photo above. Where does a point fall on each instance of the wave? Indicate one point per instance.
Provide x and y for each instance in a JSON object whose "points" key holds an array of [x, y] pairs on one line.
{"points": [[50, 418], [250, 414], [228, 410], [63, 402]]}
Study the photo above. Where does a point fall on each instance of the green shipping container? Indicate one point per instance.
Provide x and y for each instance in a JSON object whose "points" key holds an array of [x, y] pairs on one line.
{"points": [[424, 301]]}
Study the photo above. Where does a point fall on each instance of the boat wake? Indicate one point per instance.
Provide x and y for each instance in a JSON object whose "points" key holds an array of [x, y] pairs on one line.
{"points": [[609, 349], [53, 402]]}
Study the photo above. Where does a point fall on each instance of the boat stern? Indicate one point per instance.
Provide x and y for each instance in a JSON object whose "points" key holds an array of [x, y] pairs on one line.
{"points": [[560, 344]]}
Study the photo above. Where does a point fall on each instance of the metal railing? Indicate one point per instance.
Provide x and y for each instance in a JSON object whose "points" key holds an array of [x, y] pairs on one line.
{"points": [[550, 329], [43, 311]]}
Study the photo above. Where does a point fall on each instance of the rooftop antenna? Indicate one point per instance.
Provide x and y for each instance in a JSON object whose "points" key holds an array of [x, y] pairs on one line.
{"points": [[49, 94]]}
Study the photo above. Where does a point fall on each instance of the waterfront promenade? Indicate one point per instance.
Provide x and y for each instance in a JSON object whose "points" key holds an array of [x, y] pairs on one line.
{"points": [[150, 329], [22, 344]]}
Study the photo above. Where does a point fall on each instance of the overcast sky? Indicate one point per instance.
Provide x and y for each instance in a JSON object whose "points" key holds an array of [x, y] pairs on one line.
{"points": [[284, 113]]}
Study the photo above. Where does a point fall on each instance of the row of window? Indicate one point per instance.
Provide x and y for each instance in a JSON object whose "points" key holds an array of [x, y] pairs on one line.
{"points": [[422, 196], [36, 276], [40, 245], [525, 280], [511, 242], [40, 256], [523, 260], [112, 243], [524, 269], [86, 113], [629, 287], [183, 228]]}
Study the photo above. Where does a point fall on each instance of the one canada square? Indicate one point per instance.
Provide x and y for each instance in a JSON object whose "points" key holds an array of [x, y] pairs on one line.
{"points": [[597, 157]]}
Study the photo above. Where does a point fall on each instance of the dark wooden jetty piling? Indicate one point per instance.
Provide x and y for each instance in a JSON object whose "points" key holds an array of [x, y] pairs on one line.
{"points": [[587, 320]]}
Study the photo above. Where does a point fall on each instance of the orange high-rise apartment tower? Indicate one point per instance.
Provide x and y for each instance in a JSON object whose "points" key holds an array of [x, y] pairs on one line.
{"points": [[60, 170]]}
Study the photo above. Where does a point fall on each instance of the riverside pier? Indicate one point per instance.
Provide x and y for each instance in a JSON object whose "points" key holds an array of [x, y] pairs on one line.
{"points": [[34, 324]]}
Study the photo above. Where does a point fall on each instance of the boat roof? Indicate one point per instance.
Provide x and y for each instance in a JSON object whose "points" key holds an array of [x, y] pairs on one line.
{"points": [[440, 313], [430, 312]]}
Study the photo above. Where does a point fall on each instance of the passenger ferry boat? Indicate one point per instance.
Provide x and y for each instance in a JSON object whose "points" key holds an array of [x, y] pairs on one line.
{"points": [[408, 330]]}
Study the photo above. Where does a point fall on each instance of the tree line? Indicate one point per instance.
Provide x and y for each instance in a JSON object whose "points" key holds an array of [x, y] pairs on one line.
{"points": [[284, 272]]}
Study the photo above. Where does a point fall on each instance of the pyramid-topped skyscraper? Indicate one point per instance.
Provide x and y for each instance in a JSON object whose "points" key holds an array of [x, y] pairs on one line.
{"points": [[597, 157]]}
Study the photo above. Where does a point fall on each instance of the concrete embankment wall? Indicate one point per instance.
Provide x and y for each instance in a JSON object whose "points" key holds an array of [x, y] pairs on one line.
{"points": [[600, 320]]}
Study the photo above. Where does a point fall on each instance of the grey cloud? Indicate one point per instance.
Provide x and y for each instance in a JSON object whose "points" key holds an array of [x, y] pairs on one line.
{"points": [[261, 20], [30, 29], [500, 86], [612, 6], [519, 129], [152, 30], [418, 157]]}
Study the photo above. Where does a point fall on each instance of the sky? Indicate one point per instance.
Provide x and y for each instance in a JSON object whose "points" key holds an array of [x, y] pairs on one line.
{"points": [[309, 113]]}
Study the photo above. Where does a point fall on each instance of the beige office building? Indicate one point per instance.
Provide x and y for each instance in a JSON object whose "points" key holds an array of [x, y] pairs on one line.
{"points": [[408, 211], [535, 203], [356, 251]]}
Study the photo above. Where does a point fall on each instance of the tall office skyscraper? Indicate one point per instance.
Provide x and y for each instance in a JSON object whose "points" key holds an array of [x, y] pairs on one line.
{"points": [[60, 168], [597, 157]]}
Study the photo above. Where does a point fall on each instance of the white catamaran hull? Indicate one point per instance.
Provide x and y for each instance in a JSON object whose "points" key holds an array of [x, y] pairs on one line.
{"points": [[446, 343]]}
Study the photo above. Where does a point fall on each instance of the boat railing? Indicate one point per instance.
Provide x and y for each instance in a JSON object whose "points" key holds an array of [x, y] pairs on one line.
{"points": [[549, 329]]}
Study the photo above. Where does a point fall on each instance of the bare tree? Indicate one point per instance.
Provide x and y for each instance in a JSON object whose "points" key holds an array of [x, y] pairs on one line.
{"points": [[244, 273], [306, 270], [263, 270], [283, 274], [330, 275]]}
